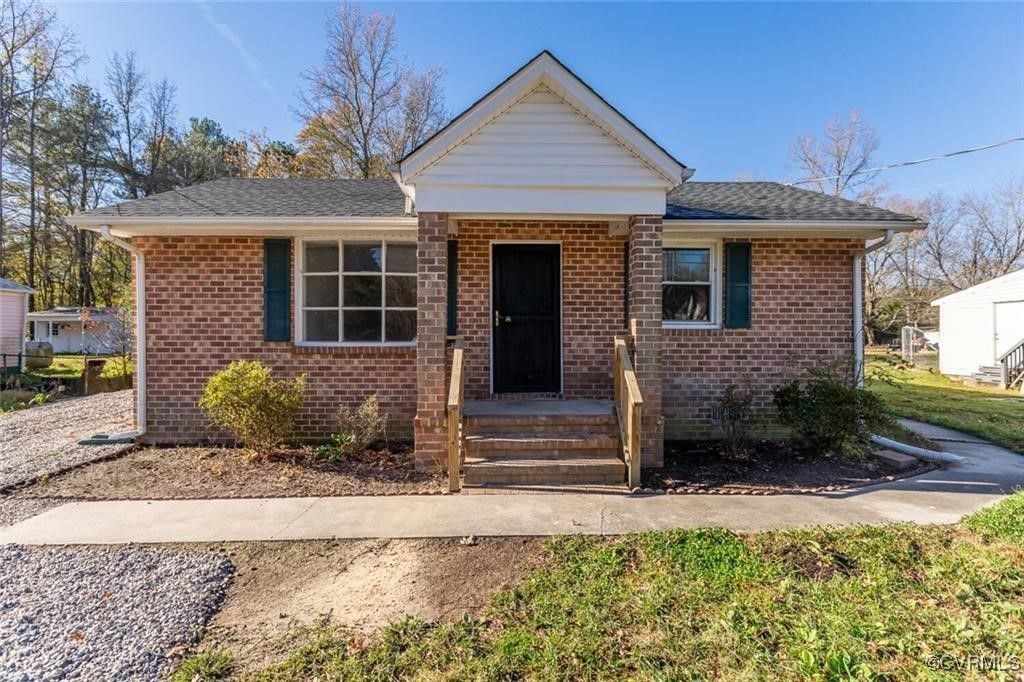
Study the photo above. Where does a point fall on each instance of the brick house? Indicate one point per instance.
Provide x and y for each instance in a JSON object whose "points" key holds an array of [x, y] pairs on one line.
{"points": [[531, 232]]}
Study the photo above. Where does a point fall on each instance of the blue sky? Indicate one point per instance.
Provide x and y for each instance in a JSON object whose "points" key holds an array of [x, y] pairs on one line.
{"points": [[724, 87]]}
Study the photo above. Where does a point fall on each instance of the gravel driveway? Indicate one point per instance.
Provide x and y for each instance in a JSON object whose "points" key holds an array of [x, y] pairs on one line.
{"points": [[44, 439], [111, 614]]}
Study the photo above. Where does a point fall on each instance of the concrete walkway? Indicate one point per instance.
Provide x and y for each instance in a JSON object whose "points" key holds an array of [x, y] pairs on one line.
{"points": [[941, 496]]}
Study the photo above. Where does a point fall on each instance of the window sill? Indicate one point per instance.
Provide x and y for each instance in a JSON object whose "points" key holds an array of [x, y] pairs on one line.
{"points": [[690, 325], [365, 349], [357, 344]]}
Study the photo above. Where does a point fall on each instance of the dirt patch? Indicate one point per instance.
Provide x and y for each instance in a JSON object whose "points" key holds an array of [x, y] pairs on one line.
{"points": [[772, 468], [280, 589], [189, 473], [814, 564]]}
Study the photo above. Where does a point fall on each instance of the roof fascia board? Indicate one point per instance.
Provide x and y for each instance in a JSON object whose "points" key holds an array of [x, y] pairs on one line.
{"points": [[544, 69], [284, 221], [826, 225], [349, 232]]}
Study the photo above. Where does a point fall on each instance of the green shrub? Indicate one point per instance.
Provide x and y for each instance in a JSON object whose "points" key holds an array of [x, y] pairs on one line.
{"points": [[16, 399], [828, 412], [256, 409], [357, 429], [209, 665]]}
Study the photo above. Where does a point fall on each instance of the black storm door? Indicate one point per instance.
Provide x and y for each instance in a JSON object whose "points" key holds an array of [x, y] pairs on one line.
{"points": [[526, 318]]}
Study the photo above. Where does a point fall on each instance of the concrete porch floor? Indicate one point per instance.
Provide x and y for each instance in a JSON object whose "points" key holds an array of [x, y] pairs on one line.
{"points": [[538, 408]]}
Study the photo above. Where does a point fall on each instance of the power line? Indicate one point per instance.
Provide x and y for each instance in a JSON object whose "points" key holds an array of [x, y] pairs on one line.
{"points": [[904, 164]]}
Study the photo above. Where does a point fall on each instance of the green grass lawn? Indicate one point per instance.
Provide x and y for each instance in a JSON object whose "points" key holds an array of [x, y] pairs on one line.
{"points": [[928, 396], [829, 604], [70, 366]]}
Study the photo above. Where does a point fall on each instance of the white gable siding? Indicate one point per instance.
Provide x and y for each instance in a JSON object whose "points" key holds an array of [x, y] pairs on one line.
{"points": [[540, 155], [967, 324]]}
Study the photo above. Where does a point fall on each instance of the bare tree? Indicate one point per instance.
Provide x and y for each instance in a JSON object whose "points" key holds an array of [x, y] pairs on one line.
{"points": [[419, 114], [159, 138], [979, 237], [24, 27], [837, 161], [255, 155], [362, 103], [128, 87]]}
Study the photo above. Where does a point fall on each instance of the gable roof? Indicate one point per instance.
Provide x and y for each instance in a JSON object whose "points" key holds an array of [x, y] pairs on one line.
{"points": [[743, 201], [264, 198], [72, 313], [8, 285], [544, 69], [244, 198], [979, 289]]}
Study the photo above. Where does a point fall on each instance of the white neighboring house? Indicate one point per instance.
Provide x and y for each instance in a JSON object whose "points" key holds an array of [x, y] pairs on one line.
{"points": [[99, 331], [980, 325], [13, 308]]}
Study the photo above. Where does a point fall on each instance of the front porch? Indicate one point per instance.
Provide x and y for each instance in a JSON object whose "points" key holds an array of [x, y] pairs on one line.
{"points": [[515, 443], [525, 313]]}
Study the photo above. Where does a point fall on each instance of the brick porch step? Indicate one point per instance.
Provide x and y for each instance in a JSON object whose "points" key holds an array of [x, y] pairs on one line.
{"points": [[603, 470]]}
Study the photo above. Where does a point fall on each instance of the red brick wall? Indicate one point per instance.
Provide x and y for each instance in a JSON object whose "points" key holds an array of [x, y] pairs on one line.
{"points": [[204, 308], [592, 299], [801, 313]]}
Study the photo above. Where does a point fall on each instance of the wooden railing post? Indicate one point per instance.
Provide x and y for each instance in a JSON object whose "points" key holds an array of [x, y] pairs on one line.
{"points": [[635, 435], [455, 395], [628, 408]]}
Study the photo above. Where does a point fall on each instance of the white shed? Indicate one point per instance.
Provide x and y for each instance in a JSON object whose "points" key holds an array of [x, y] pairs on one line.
{"points": [[94, 331], [13, 309], [980, 324]]}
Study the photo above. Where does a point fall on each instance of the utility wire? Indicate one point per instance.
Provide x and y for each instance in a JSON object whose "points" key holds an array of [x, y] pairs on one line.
{"points": [[903, 164]]}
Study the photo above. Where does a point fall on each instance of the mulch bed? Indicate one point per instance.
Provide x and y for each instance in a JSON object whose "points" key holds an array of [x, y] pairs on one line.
{"points": [[216, 472], [771, 468]]}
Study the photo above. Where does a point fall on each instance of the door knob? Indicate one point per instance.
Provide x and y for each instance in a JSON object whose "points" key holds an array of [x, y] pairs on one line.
{"points": [[497, 319]]}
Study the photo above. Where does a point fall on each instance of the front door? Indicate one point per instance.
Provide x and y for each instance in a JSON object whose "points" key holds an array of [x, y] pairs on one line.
{"points": [[526, 318], [1009, 325]]}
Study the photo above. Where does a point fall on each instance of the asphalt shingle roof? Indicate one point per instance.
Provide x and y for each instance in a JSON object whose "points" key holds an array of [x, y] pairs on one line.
{"points": [[299, 198], [268, 198], [8, 285], [766, 201]]}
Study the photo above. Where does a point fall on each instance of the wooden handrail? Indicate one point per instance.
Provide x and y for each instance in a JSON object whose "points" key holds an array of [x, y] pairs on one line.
{"points": [[628, 408], [1018, 347], [1012, 364], [456, 390]]}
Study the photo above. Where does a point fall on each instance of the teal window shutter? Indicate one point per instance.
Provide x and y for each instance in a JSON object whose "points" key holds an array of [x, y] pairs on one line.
{"points": [[277, 295], [737, 285], [453, 289]]}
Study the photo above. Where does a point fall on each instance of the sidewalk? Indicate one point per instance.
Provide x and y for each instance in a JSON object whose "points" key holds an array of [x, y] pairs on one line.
{"points": [[941, 496]]}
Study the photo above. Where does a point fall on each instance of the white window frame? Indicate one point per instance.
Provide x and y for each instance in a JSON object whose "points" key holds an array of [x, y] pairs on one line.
{"points": [[715, 295], [299, 277]]}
